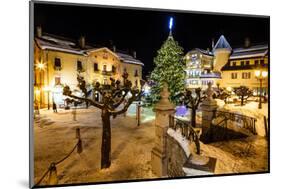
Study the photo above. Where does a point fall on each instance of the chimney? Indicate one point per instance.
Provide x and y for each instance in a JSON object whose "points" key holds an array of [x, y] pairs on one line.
{"points": [[39, 31], [247, 42], [82, 42], [114, 48], [134, 54]]}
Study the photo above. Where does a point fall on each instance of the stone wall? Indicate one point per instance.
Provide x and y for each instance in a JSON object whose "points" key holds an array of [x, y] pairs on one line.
{"points": [[176, 158]]}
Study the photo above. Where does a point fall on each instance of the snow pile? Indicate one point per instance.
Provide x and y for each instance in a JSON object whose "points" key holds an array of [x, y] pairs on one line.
{"points": [[183, 142]]}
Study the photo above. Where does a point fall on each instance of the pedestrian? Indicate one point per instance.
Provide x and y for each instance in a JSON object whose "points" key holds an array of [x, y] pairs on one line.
{"points": [[55, 107]]}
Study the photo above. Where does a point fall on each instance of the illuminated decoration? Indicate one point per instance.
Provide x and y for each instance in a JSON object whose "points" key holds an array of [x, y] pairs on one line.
{"points": [[181, 111], [171, 23], [40, 66]]}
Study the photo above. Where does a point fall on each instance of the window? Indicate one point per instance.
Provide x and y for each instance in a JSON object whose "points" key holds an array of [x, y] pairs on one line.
{"points": [[57, 81], [262, 62], [246, 75], [233, 75], [57, 64], [104, 68], [96, 67], [233, 63], [256, 62], [113, 69], [136, 73], [79, 65], [242, 63], [247, 62]]}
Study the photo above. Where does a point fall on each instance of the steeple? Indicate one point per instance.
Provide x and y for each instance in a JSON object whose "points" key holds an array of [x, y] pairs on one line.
{"points": [[222, 43]]}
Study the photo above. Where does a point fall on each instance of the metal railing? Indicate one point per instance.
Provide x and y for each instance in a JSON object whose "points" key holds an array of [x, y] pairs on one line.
{"points": [[52, 170], [186, 130], [248, 122]]}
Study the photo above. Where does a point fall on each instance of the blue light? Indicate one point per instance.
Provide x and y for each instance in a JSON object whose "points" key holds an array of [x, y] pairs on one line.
{"points": [[171, 23]]}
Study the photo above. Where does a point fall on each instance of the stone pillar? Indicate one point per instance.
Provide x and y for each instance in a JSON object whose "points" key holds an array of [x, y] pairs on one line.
{"points": [[208, 107], [164, 108]]}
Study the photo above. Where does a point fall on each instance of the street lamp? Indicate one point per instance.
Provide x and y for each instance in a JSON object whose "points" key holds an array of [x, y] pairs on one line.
{"points": [[260, 75]]}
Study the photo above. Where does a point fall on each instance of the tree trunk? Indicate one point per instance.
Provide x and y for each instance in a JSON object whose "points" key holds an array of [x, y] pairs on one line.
{"points": [[106, 140], [193, 117]]}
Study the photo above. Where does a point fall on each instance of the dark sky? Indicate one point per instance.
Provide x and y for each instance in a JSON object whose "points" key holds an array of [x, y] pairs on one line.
{"points": [[145, 30]]}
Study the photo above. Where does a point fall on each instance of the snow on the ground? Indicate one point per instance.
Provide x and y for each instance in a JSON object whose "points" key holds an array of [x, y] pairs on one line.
{"points": [[238, 156], [54, 137], [249, 109]]}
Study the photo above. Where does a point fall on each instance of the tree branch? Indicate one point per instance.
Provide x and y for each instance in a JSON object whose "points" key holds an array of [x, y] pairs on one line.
{"points": [[93, 103]]}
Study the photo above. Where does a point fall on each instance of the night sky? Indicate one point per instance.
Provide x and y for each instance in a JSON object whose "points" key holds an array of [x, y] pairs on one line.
{"points": [[145, 30]]}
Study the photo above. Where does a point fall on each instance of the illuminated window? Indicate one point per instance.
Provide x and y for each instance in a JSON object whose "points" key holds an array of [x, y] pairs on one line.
{"points": [[246, 75], [233, 75]]}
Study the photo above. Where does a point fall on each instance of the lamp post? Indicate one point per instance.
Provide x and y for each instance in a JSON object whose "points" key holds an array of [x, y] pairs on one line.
{"points": [[260, 75]]}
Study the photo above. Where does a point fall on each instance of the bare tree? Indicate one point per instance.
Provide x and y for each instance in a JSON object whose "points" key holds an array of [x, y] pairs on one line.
{"points": [[113, 96], [192, 102], [243, 93]]}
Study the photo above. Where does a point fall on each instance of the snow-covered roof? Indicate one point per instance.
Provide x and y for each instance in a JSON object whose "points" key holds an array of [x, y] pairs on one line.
{"points": [[222, 43], [205, 52], [128, 59], [57, 43], [249, 52]]}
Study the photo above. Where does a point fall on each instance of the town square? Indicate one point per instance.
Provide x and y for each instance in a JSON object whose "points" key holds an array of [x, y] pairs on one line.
{"points": [[156, 96]]}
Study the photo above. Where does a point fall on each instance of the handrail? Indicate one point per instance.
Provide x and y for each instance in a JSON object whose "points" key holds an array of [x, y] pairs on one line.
{"points": [[52, 167], [249, 122], [186, 130]]}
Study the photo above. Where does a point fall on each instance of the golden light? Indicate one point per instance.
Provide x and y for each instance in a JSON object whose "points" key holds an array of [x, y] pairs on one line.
{"points": [[264, 74], [257, 73], [37, 91], [47, 88], [229, 89], [40, 65]]}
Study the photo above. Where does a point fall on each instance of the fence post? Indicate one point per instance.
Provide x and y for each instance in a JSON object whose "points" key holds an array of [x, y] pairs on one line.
{"points": [[164, 110], [53, 178]]}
